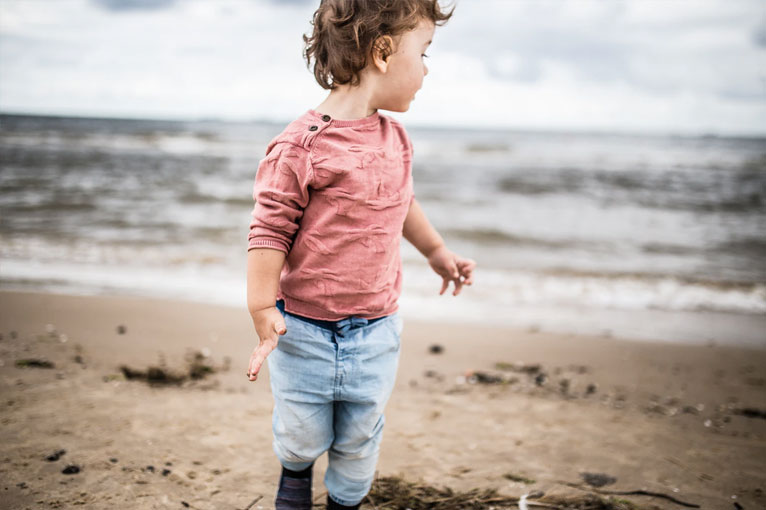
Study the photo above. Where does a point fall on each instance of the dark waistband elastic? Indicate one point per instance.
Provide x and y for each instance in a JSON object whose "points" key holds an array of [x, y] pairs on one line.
{"points": [[329, 325]]}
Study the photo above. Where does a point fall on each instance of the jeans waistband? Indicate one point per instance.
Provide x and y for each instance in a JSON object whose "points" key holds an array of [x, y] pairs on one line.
{"points": [[334, 326]]}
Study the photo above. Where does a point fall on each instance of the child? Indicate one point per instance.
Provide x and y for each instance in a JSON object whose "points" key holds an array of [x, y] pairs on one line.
{"points": [[333, 198]]}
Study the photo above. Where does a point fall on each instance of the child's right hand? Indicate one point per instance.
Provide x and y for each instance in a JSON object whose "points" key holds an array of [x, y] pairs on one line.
{"points": [[269, 324]]}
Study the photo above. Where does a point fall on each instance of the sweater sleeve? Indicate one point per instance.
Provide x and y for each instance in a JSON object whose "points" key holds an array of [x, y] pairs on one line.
{"points": [[281, 194]]}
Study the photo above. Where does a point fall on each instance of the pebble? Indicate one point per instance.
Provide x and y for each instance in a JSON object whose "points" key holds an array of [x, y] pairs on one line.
{"points": [[436, 349], [55, 455], [598, 479], [71, 469]]}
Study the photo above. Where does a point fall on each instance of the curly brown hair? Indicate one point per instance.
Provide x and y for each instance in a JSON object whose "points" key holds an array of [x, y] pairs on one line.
{"points": [[346, 30]]}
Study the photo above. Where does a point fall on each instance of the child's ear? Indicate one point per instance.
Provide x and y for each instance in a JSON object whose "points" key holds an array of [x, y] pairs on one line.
{"points": [[382, 49]]}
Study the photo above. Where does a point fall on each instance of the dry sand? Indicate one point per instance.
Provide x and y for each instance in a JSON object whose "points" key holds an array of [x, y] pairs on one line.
{"points": [[681, 420]]}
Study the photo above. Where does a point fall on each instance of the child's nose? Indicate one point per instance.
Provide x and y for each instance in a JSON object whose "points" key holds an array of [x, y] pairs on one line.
{"points": [[425, 70]]}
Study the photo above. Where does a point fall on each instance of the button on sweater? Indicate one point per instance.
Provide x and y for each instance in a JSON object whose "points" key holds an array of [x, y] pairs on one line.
{"points": [[333, 195]]}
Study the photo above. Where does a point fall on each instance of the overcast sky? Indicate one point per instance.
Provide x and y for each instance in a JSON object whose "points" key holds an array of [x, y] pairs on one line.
{"points": [[679, 66]]}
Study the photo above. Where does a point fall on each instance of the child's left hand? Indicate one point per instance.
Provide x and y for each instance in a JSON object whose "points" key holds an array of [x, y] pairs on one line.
{"points": [[452, 268]]}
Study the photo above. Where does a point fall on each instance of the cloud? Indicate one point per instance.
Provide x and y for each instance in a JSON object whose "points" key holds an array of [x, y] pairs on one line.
{"points": [[296, 2], [759, 34], [690, 66], [133, 5], [700, 46]]}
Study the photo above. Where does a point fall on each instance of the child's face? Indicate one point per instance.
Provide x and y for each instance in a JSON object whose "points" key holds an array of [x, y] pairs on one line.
{"points": [[406, 69]]}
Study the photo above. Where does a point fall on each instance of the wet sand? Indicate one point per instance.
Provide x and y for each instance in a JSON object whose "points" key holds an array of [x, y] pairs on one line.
{"points": [[487, 408]]}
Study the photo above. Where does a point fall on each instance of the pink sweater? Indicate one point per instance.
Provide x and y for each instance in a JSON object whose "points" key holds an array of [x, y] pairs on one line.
{"points": [[333, 195]]}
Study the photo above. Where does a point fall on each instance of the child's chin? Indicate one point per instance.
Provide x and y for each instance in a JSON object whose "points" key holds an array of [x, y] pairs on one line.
{"points": [[399, 108]]}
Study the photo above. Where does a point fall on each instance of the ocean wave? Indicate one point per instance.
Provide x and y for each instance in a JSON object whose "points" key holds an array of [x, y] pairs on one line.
{"points": [[495, 236], [623, 291]]}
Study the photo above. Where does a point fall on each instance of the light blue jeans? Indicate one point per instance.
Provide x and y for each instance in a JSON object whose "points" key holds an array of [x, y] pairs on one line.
{"points": [[330, 389]]}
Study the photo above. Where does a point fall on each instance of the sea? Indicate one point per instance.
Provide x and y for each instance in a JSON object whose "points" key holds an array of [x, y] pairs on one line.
{"points": [[642, 236]]}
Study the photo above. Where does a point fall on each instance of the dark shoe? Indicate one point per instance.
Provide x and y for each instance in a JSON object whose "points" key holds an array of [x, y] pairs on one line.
{"points": [[334, 505], [294, 490]]}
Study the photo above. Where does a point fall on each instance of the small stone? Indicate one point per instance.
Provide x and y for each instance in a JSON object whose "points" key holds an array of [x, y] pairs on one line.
{"points": [[165, 472], [55, 455], [121, 330], [71, 469], [436, 349], [598, 479], [113, 460]]}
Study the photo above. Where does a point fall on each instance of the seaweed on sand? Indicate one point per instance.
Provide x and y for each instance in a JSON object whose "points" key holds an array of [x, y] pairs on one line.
{"points": [[198, 366], [393, 493]]}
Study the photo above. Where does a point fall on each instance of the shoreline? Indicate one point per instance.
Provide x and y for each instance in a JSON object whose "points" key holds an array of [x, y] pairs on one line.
{"points": [[646, 325], [489, 403]]}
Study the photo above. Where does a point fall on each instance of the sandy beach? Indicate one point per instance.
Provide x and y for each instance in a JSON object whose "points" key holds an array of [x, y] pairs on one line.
{"points": [[474, 407]]}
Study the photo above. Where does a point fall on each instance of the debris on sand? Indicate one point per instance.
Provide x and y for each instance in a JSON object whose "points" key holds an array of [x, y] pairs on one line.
{"points": [[518, 367], [55, 455], [198, 366], [598, 479], [34, 363], [473, 377], [751, 412], [518, 478], [393, 493], [156, 376], [481, 377], [71, 469], [436, 349]]}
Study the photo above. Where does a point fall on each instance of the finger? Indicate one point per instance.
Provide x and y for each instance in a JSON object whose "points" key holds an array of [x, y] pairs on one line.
{"points": [[445, 284], [279, 327], [458, 286], [454, 271], [467, 274], [257, 359]]}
